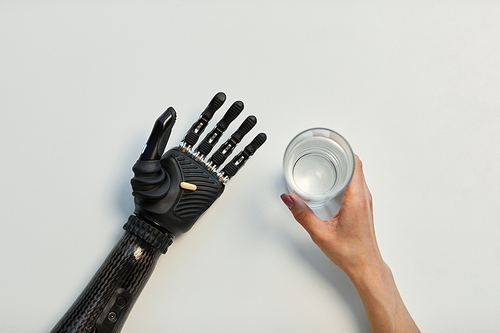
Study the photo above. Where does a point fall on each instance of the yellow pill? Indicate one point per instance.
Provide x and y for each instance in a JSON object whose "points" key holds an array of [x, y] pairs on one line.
{"points": [[188, 186]]}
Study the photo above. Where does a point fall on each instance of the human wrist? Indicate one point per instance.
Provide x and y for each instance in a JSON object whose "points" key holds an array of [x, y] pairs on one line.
{"points": [[370, 269]]}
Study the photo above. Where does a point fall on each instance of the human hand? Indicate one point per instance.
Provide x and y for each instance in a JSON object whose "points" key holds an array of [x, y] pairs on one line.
{"points": [[348, 238], [172, 190]]}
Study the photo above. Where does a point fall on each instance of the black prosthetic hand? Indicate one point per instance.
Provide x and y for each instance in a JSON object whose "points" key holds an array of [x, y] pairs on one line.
{"points": [[171, 191]]}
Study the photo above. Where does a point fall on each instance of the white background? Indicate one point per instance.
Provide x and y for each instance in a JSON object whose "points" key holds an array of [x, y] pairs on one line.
{"points": [[414, 86]]}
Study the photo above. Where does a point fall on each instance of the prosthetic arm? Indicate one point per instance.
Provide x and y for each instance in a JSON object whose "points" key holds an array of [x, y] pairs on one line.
{"points": [[171, 191]]}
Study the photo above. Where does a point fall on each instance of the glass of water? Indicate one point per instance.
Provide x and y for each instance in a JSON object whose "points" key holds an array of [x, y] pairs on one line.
{"points": [[318, 165]]}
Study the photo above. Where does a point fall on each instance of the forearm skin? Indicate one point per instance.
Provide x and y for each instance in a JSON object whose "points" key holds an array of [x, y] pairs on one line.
{"points": [[383, 304]]}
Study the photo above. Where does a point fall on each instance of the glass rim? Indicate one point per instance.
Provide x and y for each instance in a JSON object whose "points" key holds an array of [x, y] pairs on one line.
{"points": [[313, 199]]}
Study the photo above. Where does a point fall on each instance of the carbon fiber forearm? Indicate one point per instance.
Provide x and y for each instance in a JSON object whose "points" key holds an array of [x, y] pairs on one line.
{"points": [[126, 269]]}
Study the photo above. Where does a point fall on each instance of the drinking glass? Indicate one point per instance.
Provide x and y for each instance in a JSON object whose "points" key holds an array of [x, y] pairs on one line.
{"points": [[318, 165]]}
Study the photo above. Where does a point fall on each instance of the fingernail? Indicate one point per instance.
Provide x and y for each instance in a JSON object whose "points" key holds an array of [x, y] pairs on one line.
{"points": [[287, 200]]}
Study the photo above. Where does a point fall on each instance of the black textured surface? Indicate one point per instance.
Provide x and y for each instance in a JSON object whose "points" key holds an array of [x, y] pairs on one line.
{"points": [[128, 266], [193, 204], [230, 170], [231, 114], [215, 104], [178, 209], [205, 148], [256, 143], [244, 128], [191, 138], [218, 158], [148, 233]]}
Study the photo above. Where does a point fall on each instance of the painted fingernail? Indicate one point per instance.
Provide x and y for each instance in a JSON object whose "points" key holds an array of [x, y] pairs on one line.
{"points": [[287, 200]]}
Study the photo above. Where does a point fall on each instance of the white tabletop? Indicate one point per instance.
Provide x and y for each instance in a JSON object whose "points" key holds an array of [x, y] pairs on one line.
{"points": [[413, 86]]}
